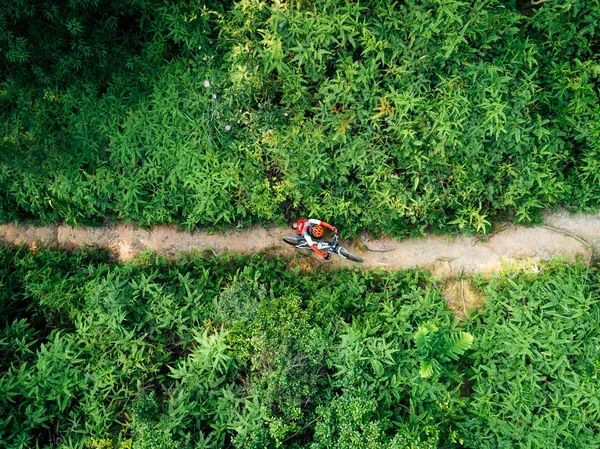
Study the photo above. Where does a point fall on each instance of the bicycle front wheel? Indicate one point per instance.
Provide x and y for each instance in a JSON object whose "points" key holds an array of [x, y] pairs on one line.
{"points": [[348, 255]]}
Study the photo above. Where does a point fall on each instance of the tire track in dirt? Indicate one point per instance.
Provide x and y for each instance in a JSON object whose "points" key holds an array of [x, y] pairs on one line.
{"points": [[561, 234]]}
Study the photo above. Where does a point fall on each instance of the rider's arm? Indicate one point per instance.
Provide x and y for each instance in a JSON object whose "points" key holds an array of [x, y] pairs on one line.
{"points": [[312, 244], [322, 223]]}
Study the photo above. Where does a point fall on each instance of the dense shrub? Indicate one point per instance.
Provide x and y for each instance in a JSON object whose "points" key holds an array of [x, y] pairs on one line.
{"points": [[536, 362], [398, 116], [244, 352]]}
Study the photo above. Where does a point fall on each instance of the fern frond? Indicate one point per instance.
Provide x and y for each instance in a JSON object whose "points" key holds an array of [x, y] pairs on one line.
{"points": [[423, 335], [428, 368], [458, 344]]}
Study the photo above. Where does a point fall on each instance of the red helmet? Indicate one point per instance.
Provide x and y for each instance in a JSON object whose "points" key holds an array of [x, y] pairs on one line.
{"points": [[316, 231]]}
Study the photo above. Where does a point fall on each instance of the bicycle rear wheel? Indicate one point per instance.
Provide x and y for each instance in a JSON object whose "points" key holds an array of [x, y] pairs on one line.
{"points": [[301, 246], [348, 255], [291, 240]]}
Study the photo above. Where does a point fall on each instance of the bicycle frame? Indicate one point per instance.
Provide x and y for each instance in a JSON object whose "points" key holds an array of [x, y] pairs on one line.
{"points": [[327, 246], [330, 247]]}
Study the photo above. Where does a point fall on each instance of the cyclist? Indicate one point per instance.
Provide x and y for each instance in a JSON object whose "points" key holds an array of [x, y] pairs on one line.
{"points": [[313, 229]]}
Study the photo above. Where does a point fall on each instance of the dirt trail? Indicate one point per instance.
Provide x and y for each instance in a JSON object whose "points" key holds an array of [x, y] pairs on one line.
{"points": [[561, 233]]}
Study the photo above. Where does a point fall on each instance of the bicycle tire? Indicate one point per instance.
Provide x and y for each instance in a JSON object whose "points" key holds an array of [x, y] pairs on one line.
{"points": [[291, 240], [348, 255]]}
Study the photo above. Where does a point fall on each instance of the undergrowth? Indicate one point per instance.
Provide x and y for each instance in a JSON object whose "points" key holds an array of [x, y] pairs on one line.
{"points": [[241, 351], [397, 117]]}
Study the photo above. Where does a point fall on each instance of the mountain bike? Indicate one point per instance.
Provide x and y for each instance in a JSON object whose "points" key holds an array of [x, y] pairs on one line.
{"points": [[331, 247]]}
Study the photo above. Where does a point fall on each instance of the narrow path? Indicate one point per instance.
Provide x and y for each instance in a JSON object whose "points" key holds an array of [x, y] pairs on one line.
{"points": [[568, 235]]}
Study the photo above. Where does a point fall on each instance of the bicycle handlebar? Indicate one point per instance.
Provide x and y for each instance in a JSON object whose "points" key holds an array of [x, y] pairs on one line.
{"points": [[335, 241]]}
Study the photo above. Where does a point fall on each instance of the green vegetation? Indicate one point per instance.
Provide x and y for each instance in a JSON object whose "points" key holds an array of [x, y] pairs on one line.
{"points": [[399, 116], [245, 352], [394, 116]]}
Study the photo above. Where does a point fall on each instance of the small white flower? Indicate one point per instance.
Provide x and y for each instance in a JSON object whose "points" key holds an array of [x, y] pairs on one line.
{"points": [[227, 128], [206, 84], [214, 96]]}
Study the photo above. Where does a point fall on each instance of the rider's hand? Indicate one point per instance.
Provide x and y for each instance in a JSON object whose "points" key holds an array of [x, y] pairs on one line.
{"points": [[327, 256], [335, 230]]}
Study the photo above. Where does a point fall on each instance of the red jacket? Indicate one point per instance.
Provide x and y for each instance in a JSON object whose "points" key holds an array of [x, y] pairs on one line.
{"points": [[303, 227]]}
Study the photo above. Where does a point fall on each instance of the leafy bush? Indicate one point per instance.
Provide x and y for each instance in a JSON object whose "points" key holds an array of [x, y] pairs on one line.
{"points": [[399, 117], [243, 352], [535, 362]]}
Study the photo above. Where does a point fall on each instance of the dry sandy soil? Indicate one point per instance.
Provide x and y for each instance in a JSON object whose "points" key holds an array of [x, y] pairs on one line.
{"points": [[561, 234], [448, 258]]}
